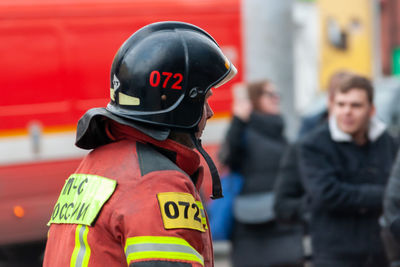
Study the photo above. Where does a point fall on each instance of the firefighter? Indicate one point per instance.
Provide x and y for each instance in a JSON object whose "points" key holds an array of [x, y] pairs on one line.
{"points": [[134, 199]]}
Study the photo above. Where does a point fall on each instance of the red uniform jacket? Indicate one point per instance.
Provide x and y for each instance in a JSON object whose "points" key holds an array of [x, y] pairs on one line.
{"points": [[151, 216]]}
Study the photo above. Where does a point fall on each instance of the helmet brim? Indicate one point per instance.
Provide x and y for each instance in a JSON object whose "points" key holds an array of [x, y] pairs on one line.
{"points": [[232, 73], [91, 130]]}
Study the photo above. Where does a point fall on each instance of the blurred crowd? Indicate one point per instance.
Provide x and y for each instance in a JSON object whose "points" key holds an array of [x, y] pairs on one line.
{"points": [[329, 198]]}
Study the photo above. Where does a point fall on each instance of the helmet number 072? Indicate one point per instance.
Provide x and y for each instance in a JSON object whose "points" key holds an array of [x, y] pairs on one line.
{"points": [[155, 79]]}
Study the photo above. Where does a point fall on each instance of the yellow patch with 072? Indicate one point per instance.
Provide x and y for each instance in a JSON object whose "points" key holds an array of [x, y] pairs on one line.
{"points": [[180, 210]]}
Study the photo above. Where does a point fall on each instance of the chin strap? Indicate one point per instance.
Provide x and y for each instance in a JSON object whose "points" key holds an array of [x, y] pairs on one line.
{"points": [[216, 182]]}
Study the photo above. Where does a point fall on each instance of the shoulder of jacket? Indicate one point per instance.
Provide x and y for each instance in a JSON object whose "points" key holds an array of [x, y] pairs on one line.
{"points": [[151, 160], [388, 142], [318, 136]]}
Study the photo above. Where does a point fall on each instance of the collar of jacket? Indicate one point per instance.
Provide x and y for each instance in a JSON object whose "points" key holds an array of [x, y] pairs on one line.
{"points": [[186, 159], [375, 129]]}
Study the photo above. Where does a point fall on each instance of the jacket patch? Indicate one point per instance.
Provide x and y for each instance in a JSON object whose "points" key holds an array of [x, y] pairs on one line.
{"points": [[81, 199], [151, 160], [180, 210]]}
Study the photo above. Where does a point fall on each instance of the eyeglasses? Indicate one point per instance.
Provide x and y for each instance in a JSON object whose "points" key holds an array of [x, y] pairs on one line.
{"points": [[273, 95]]}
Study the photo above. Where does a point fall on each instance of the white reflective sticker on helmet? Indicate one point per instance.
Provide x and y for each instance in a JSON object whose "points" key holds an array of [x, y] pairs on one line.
{"points": [[112, 94], [128, 100], [231, 74]]}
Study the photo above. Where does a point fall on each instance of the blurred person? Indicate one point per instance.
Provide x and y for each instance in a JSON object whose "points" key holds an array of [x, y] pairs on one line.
{"points": [[289, 192], [289, 201], [310, 122], [134, 200], [391, 220], [253, 147], [345, 164], [290, 204]]}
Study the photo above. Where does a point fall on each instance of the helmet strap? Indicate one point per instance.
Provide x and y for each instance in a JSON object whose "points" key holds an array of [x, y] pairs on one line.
{"points": [[216, 182]]}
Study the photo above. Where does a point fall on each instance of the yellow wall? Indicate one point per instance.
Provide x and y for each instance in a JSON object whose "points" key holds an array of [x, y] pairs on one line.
{"points": [[358, 55]]}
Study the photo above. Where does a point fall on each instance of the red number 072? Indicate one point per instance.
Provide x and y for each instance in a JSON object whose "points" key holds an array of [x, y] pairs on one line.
{"points": [[156, 77]]}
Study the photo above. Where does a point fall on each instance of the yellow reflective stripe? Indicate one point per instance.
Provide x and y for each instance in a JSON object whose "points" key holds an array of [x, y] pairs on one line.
{"points": [[200, 204], [81, 254], [203, 214], [112, 93], [160, 247]]}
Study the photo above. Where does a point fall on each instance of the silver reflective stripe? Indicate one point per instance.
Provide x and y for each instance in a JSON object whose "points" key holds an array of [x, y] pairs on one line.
{"points": [[203, 213], [81, 253], [82, 250]]}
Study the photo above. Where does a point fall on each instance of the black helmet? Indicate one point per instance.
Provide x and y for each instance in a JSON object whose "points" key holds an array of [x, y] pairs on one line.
{"points": [[161, 74], [159, 79]]}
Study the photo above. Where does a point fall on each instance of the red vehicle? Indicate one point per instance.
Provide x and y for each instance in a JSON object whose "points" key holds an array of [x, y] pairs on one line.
{"points": [[55, 62]]}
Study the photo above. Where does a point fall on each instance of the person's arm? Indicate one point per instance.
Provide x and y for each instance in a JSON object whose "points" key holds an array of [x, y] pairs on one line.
{"points": [[289, 192], [160, 222], [320, 178]]}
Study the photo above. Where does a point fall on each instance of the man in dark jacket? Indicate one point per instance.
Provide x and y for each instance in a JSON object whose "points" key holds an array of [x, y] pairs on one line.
{"points": [[345, 164]]}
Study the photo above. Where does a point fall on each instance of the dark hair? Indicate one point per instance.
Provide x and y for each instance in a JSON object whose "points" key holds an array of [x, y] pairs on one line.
{"points": [[336, 79], [359, 82], [255, 91]]}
